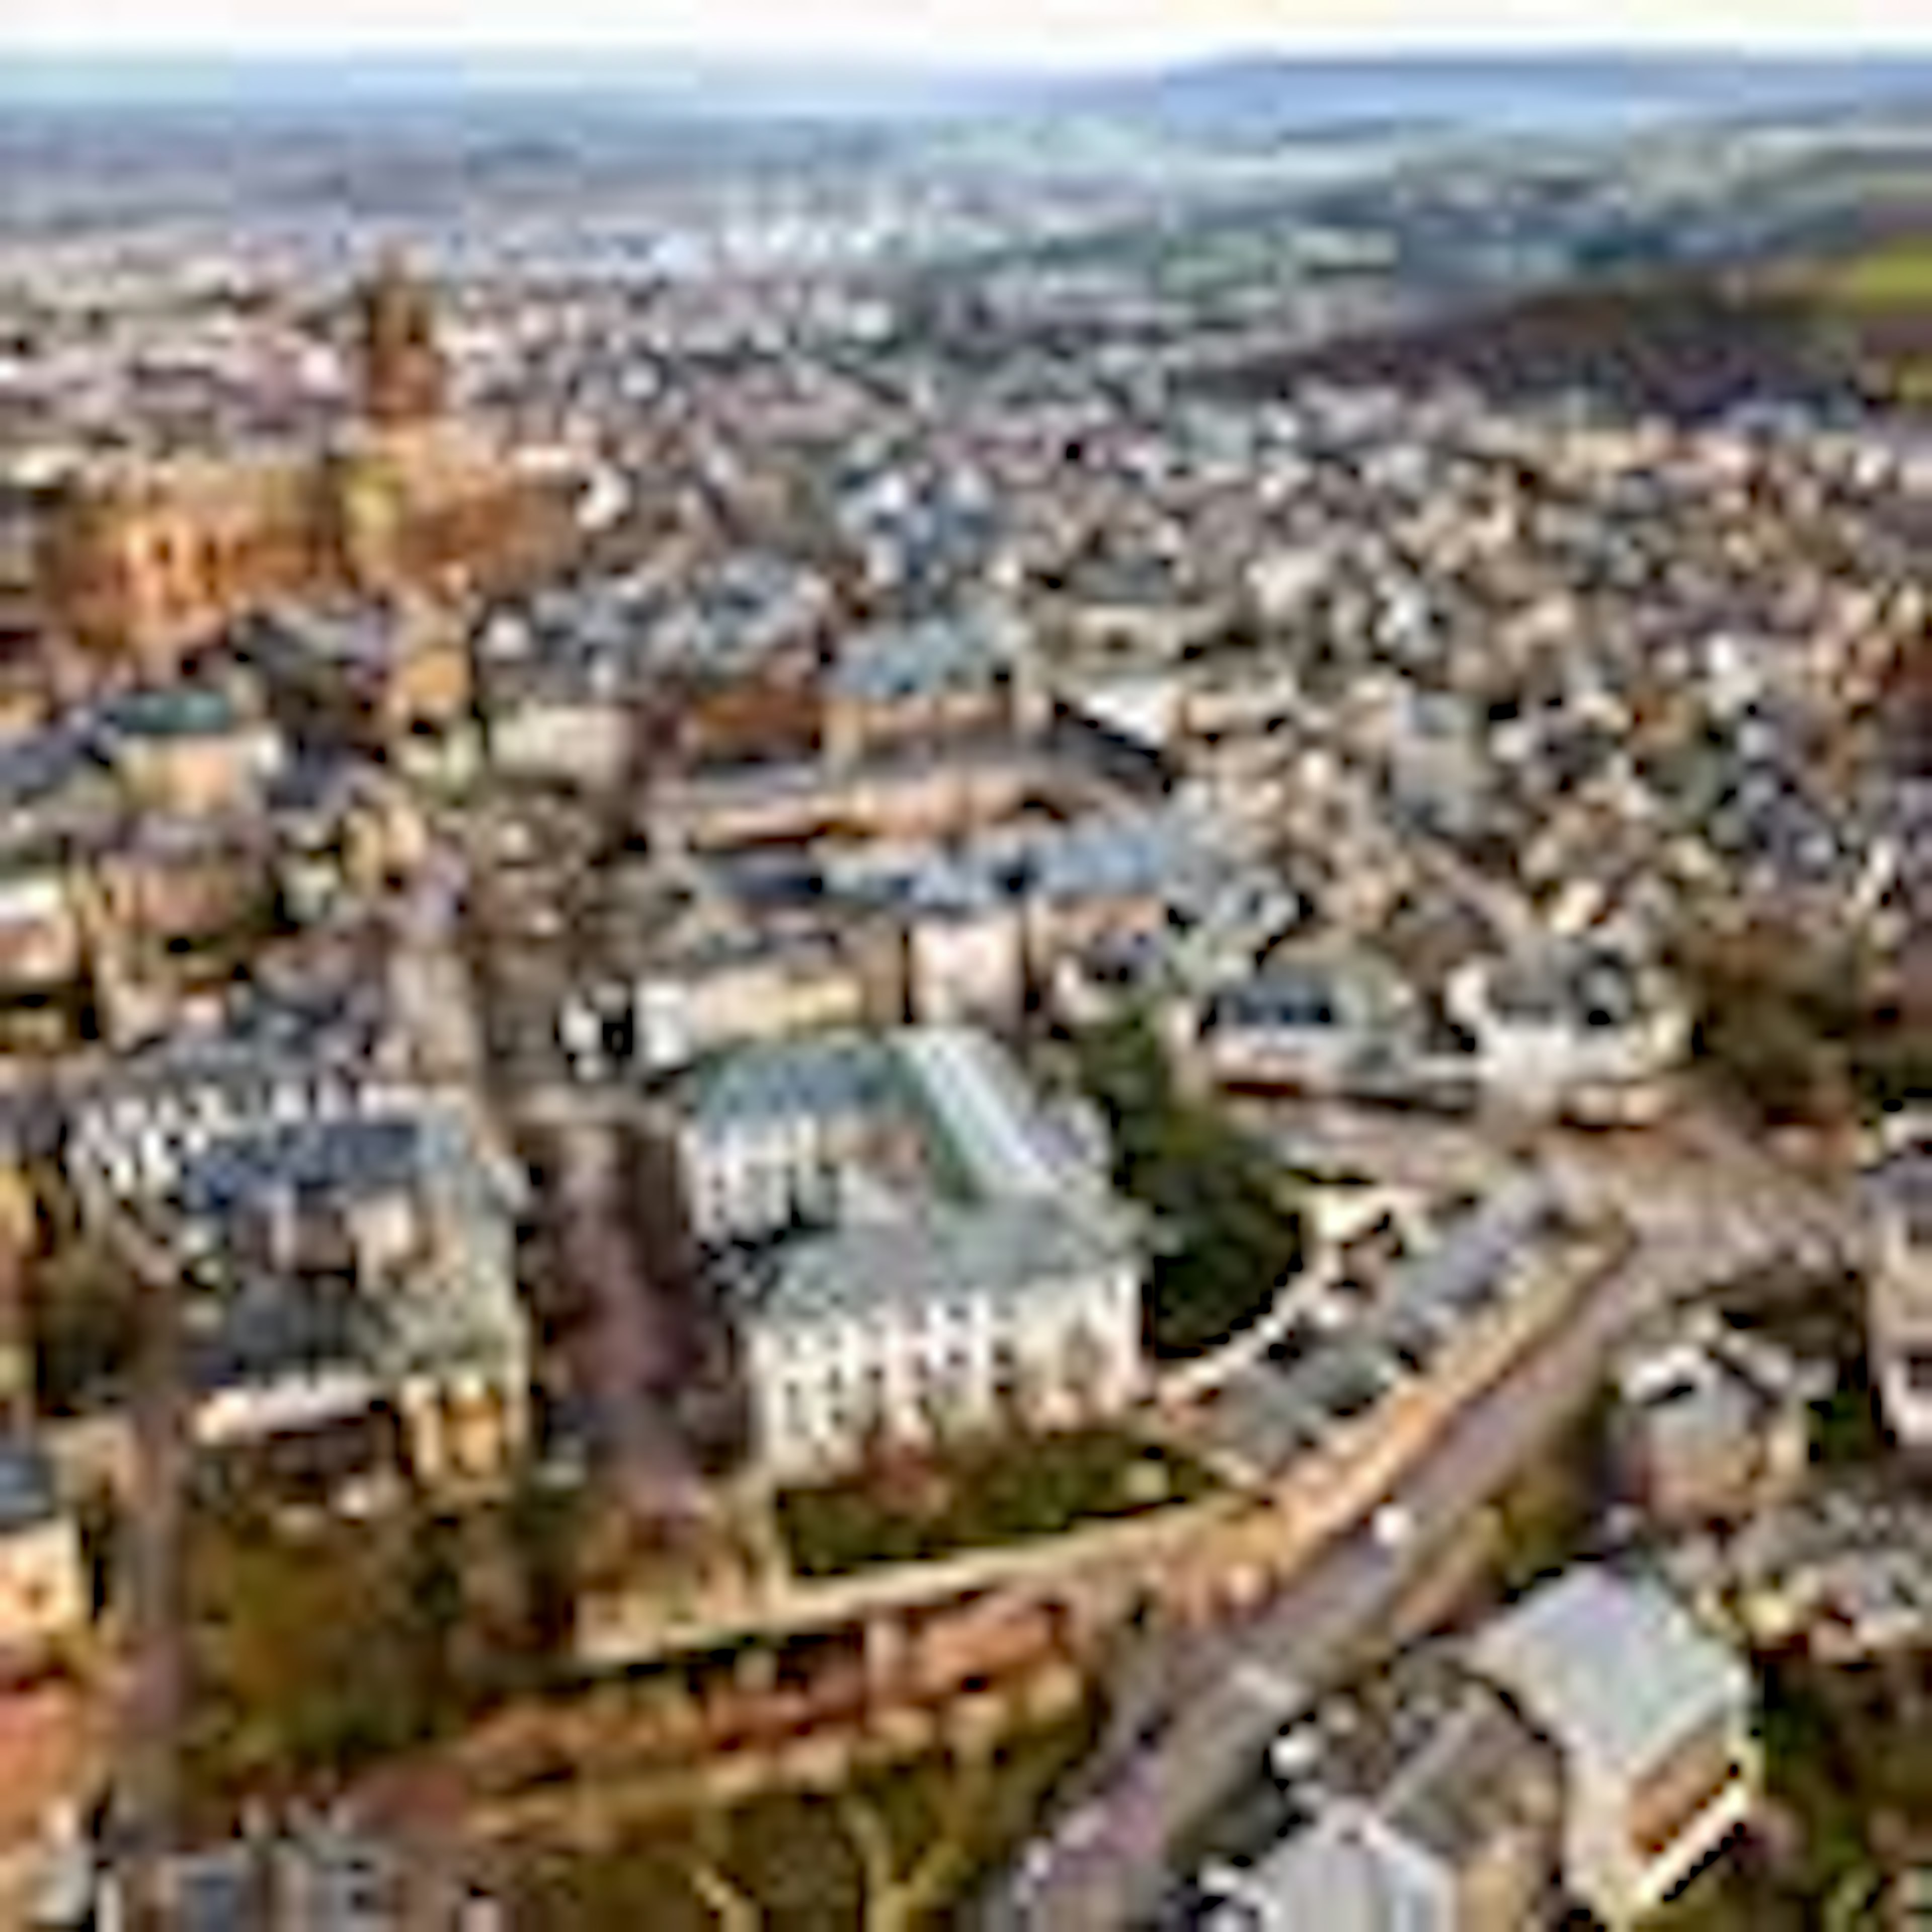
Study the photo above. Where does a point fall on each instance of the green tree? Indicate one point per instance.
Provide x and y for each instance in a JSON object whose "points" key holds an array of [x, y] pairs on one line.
{"points": [[543, 1525], [1234, 1229]]}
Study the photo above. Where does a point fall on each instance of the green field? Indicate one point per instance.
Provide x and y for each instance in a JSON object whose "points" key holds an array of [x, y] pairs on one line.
{"points": [[1894, 277]]}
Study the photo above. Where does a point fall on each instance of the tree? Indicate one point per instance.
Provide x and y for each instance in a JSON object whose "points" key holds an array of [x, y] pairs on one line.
{"points": [[543, 1525], [1237, 1232], [85, 1313]]}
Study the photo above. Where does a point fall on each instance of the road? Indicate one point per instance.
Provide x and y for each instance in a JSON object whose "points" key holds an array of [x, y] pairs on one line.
{"points": [[147, 1781], [631, 1360], [1209, 1705]]}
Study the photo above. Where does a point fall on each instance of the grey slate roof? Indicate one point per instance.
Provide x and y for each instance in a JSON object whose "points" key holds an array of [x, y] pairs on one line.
{"points": [[999, 1252], [27, 1493], [1613, 1667]]}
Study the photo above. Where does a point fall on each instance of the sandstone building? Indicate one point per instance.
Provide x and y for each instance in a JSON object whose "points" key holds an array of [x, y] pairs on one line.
{"points": [[140, 561]]}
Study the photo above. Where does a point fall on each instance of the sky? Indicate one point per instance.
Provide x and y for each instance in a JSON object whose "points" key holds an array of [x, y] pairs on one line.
{"points": [[962, 33]]}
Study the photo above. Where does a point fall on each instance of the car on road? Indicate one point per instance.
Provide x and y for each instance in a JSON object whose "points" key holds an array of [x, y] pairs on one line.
{"points": [[1294, 1756], [1392, 1526]]}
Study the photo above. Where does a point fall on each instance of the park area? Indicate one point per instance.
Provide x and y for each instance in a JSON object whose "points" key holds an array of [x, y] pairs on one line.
{"points": [[900, 1847], [980, 1495]]}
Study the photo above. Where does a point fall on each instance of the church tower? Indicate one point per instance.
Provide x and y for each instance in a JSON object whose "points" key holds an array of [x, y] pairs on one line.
{"points": [[405, 379]]}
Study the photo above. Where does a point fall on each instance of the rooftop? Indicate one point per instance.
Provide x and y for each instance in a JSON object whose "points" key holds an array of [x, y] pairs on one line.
{"points": [[27, 1493], [937, 1255], [1613, 1666], [1349, 1871]]}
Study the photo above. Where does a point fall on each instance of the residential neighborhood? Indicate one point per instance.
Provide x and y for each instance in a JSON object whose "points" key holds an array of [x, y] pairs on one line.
{"points": [[863, 1066]]}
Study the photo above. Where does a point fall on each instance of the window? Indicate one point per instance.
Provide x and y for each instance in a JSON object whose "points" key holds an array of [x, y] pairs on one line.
{"points": [[1665, 1805]]}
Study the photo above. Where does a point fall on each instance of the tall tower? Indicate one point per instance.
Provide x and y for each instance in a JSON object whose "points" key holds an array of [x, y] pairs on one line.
{"points": [[404, 377]]}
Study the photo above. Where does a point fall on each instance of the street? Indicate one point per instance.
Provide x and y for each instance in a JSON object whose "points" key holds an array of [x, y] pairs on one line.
{"points": [[1212, 1705]]}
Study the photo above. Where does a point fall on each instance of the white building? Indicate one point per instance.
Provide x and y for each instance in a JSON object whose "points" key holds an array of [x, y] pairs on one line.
{"points": [[1352, 1868], [1653, 1717], [769, 1135], [1583, 1029], [1901, 1312], [911, 1241], [951, 1319]]}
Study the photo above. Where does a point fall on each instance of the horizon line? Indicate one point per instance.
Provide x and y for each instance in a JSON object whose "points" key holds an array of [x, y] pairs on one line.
{"points": [[635, 55]]}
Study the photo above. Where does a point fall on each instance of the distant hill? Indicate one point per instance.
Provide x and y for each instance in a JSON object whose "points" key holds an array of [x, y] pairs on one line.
{"points": [[1683, 346], [1849, 323], [1582, 94], [1240, 98]]}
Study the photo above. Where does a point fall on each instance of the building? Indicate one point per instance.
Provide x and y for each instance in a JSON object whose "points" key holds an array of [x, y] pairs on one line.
{"points": [[41, 946], [303, 1871], [1711, 1428], [768, 1136], [947, 1319], [1581, 1029], [1900, 1316], [43, 1586], [1653, 1718], [362, 1261], [1351, 1870], [141, 561], [1458, 1832], [1312, 1017], [924, 684], [190, 750], [908, 1240]]}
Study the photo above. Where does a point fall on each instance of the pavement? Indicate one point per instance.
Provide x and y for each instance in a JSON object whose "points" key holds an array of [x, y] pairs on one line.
{"points": [[1706, 1207]]}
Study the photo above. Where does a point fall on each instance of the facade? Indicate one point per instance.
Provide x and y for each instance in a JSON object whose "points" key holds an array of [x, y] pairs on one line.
{"points": [[730, 994], [766, 1134], [952, 1319], [1900, 1311], [1653, 1718], [966, 962]]}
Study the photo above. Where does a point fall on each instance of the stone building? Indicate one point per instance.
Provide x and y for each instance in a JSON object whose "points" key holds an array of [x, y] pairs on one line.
{"points": [[141, 560]]}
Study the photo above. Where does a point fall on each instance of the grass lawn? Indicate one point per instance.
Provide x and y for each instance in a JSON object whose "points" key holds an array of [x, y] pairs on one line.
{"points": [[980, 1495], [791, 1856], [646, 1882]]}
